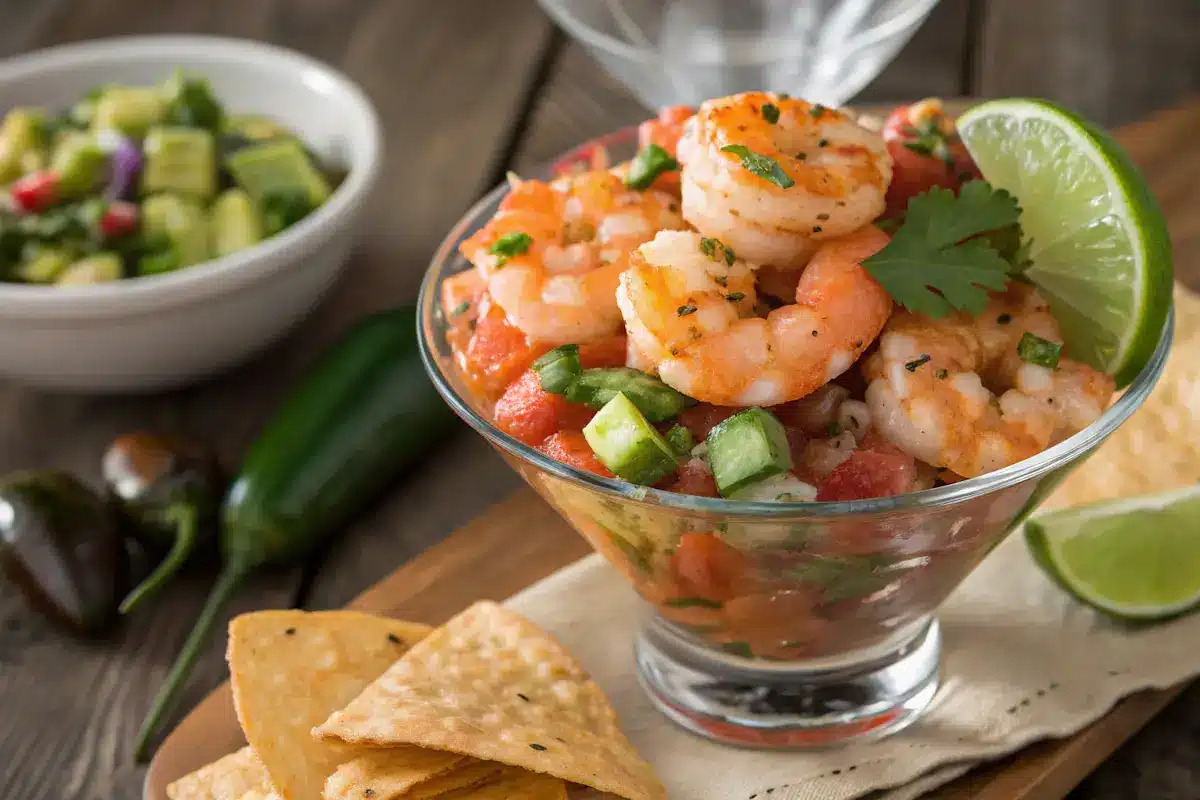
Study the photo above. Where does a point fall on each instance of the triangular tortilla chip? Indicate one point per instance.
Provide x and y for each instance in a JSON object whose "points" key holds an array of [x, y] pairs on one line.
{"points": [[513, 783], [1158, 447], [389, 773], [230, 778], [492, 685], [292, 669]]}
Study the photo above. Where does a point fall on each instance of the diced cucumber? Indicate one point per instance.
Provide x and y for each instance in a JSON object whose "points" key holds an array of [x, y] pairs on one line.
{"points": [[133, 110], [79, 163], [181, 160], [256, 128], [21, 135], [235, 223], [595, 387], [181, 222], [45, 265], [275, 168], [782, 488], [558, 368], [629, 445], [681, 440], [191, 103], [99, 268], [746, 448]]}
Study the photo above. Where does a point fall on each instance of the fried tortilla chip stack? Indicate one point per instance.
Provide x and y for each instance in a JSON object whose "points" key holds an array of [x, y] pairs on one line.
{"points": [[341, 705]]}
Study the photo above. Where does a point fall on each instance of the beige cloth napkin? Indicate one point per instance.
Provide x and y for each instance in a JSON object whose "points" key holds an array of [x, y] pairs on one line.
{"points": [[1022, 661]]}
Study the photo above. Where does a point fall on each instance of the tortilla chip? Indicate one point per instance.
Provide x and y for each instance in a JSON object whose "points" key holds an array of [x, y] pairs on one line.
{"points": [[513, 783], [385, 774], [230, 778], [491, 685], [292, 669], [1158, 447]]}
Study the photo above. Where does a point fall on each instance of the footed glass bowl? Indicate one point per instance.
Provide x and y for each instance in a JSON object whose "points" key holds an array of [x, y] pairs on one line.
{"points": [[776, 624]]}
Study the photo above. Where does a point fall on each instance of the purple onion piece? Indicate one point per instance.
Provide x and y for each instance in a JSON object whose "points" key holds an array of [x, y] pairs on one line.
{"points": [[124, 164]]}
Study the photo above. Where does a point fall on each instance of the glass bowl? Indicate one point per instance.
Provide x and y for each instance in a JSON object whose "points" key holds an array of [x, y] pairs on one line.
{"points": [[685, 51], [775, 624]]}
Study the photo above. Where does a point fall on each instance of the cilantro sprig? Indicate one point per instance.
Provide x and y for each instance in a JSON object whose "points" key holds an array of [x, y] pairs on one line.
{"points": [[763, 166], [934, 263]]}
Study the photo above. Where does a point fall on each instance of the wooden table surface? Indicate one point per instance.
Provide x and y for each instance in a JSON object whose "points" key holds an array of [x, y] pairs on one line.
{"points": [[468, 89]]}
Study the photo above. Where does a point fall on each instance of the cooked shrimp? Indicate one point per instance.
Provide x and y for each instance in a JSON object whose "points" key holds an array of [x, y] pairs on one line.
{"points": [[955, 393], [838, 170], [688, 313], [552, 253]]}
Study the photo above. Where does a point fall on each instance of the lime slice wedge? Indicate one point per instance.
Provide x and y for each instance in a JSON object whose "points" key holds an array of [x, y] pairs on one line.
{"points": [[1099, 245], [1136, 558]]}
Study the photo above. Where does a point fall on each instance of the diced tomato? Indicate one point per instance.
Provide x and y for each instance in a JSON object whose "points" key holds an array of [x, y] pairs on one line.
{"points": [[693, 478], [705, 566], [702, 418], [869, 473], [497, 352], [572, 449], [119, 219], [925, 154], [779, 624], [608, 352], [528, 412], [36, 192]]}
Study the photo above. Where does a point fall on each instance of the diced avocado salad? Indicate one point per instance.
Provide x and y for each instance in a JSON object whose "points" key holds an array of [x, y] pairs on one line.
{"points": [[142, 180]]}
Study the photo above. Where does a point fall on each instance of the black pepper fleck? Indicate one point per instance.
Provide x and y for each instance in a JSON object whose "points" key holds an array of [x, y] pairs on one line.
{"points": [[822, 217], [814, 333], [368, 792], [523, 697], [394, 639], [1004, 319], [290, 632], [540, 748], [816, 228], [823, 143]]}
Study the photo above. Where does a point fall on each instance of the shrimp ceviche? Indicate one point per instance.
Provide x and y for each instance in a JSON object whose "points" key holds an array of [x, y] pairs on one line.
{"points": [[773, 301]]}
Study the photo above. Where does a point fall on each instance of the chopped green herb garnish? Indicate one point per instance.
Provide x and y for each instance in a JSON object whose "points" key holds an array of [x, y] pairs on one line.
{"points": [[817, 111], [912, 366], [680, 439], [770, 112], [558, 368], [650, 162], [735, 297], [762, 166], [942, 374], [823, 143], [934, 263], [721, 280], [930, 141], [738, 649], [692, 602], [834, 429], [1033, 349], [716, 250], [461, 308], [509, 245], [683, 311]]}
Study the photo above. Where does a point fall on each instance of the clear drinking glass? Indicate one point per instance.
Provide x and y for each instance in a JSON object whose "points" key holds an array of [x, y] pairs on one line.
{"points": [[686, 51], [826, 632]]}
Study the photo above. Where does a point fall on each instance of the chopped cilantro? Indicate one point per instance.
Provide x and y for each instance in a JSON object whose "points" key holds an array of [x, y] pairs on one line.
{"points": [[762, 166], [509, 245], [692, 602], [461, 308], [942, 374], [932, 264], [912, 366], [1033, 349], [650, 162], [817, 111], [683, 311], [715, 249], [930, 141], [735, 297], [834, 429], [770, 112]]}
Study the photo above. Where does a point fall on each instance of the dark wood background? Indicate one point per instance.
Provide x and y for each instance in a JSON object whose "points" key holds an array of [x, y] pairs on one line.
{"points": [[468, 89]]}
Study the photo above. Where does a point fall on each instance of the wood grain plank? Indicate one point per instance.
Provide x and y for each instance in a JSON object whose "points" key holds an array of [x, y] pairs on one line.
{"points": [[447, 99], [1112, 60]]}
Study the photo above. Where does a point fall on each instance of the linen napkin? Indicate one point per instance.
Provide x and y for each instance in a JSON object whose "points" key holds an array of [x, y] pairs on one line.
{"points": [[1021, 661]]}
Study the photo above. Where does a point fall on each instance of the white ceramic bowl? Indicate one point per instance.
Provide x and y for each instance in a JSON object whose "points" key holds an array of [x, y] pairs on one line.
{"points": [[167, 330]]}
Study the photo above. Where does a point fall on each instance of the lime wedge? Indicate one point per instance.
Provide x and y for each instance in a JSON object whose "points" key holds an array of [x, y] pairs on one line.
{"points": [[1136, 558], [1099, 245]]}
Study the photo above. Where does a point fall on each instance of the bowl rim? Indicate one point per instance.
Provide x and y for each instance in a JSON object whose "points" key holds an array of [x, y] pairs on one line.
{"points": [[1063, 454], [216, 275], [592, 37]]}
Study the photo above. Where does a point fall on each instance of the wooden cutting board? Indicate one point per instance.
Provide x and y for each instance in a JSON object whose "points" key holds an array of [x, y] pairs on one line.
{"points": [[522, 540]]}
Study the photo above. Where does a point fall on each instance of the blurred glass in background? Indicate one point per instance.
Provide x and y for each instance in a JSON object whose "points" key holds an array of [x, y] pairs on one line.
{"points": [[686, 51]]}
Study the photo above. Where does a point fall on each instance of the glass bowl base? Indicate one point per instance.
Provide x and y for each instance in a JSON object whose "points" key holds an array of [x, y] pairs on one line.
{"points": [[777, 705]]}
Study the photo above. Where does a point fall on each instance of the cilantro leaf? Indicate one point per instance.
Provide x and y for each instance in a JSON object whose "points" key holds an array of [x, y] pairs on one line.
{"points": [[933, 264], [650, 162], [760, 165]]}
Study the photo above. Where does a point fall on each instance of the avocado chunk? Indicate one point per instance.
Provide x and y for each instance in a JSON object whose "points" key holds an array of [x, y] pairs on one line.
{"points": [[132, 110], [191, 103], [278, 168], [21, 136], [79, 163], [235, 223], [98, 268], [256, 128], [45, 265], [180, 160], [179, 226]]}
